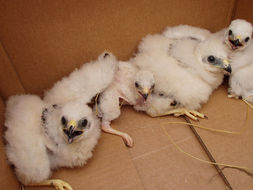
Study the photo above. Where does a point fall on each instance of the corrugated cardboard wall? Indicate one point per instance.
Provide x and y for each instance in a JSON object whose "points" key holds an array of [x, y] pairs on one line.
{"points": [[7, 178], [45, 39]]}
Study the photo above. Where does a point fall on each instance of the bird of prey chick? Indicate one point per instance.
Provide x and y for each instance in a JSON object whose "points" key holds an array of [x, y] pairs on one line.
{"points": [[84, 83], [240, 81], [41, 137], [186, 31], [130, 86], [237, 38], [186, 69]]}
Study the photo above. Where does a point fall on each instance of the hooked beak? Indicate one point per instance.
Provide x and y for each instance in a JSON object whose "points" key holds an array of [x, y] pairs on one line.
{"points": [[145, 92], [235, 42], [70, 129], [226, 66]]}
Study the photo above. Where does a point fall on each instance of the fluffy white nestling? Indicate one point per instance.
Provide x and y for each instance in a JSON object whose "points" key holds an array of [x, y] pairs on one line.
{"points": [[84, 83], [240, 81], [186, 31], [186, 70], [237, 38], [130, 86], [41, 137]]}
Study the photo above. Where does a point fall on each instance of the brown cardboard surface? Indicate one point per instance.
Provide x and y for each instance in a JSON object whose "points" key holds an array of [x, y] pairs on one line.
{"points": [[46, 40], [8, 180], [9, 80], [244, 10], [230, 114], [111, 167]]}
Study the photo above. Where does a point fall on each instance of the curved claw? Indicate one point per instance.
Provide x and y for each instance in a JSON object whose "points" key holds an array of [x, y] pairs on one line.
{"points": [[61, 185], [57, 183], [128, 140], [192, 114]]}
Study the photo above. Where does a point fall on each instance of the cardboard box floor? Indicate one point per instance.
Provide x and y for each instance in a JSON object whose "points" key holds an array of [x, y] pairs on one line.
{"points": [[42, 41]]}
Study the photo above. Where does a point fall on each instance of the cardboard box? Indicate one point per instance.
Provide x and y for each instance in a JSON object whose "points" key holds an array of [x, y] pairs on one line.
{"points": [[42, 41]]}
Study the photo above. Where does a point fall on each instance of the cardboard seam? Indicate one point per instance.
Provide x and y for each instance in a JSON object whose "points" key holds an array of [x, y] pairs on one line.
{"points": [[232, 12], [13, 67]]}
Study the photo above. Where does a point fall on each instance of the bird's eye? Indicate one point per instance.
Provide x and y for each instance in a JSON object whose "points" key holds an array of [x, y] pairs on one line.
{"points": [[84, 122], [230, 32], [174, 103], [161, 94], [136, 84], [63, 120], [246, 39], [211, 59]]}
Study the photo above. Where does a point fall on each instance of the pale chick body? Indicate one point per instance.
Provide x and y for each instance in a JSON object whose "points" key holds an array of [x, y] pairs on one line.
{"points": [[36, 143], [186, 31], [237, 40], [130, 86], [240, 82], [181, 67], [60, 131], [84, 83]]}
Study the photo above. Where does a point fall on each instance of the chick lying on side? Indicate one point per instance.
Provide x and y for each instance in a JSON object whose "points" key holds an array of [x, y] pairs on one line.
{"points": [[41, 137], [130, 86], [187, 69]]}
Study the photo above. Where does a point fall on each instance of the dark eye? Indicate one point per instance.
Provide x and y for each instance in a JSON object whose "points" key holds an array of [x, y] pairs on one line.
{"points": [[211, 59], [136, 84], [230, 32], [84, 122], [63, 120], [160, 94], [174, 103], [246, 39]]}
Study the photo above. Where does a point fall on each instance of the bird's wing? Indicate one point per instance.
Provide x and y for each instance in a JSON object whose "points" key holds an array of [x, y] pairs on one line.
{"points": [[84, 83], [186, 31]]}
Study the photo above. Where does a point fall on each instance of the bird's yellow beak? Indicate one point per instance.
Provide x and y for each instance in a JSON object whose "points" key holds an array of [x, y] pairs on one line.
{"points": [[72, 123], [239, 37], [227, 66], [145, 92]]}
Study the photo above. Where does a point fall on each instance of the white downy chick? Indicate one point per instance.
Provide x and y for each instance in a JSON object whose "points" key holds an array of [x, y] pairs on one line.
{"points": [[130, 86], [187, 70], [186, 31], [237, 38], [240, 81], [84, 83], [42, 137]]}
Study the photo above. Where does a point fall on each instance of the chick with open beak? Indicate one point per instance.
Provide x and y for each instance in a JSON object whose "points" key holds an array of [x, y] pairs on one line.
{"points": [[144, 84], [238, 35], [73, 130]]}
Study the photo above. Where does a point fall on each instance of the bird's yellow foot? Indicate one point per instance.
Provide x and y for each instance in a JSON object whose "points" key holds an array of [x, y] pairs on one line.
{"points": [[126, 138], [192, 114], [232, 95], [57, 183]]}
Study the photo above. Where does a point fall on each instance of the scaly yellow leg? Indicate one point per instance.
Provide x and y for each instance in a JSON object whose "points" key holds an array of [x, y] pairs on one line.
{"points": [[182, 111], [57, 183]]}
